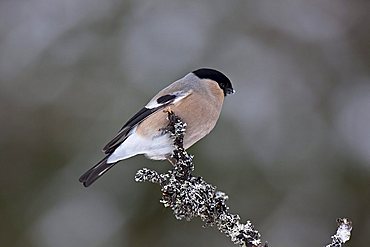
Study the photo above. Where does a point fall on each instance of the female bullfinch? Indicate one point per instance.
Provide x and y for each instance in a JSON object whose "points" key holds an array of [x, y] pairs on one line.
{"points": [[196, 98]]}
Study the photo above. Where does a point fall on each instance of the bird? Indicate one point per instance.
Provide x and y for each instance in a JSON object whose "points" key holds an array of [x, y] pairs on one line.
{"points": [[196, 98]]}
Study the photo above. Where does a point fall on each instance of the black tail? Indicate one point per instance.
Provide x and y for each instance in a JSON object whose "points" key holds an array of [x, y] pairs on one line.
{"points": [[96, 172]]}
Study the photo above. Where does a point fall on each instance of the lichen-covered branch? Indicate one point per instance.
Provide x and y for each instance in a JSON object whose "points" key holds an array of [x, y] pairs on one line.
{"points": [[343, 233], [189, 196]]}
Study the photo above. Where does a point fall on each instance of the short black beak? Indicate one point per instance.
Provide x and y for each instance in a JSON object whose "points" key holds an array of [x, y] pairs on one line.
{"points": [[230, 91]]}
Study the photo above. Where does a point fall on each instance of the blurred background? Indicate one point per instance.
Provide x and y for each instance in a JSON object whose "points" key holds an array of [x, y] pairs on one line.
{"points": [[291, 149]]}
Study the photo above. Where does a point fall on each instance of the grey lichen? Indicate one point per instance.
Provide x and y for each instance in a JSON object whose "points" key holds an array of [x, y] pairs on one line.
{"points": [[343, 233], [189, 196]]}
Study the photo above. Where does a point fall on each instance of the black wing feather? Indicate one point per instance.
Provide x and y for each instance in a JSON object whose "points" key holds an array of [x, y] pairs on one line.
{"points": [[164, 100], [138, 117], [96, 172], [122, 134]]}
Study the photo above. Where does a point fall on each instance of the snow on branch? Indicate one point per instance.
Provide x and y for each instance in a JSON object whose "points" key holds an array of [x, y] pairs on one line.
{"points": [[189, 196]]}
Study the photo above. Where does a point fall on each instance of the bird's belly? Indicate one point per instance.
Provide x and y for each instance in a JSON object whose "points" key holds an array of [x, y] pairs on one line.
{"points": [[157, 145], [161, 146]]}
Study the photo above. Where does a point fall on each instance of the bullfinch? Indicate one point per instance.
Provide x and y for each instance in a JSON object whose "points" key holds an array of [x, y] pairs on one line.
{"points": [[196, 98]]}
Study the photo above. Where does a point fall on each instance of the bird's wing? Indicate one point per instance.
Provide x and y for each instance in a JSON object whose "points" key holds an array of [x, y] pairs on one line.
{"points": [[156, 104]]}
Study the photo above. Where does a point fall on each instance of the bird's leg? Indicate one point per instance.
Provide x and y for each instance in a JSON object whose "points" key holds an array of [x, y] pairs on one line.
{"points": [[170, 127], [171, 159]]}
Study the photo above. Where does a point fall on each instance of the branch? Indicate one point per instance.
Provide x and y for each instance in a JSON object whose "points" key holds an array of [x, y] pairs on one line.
{"points": [[189, 196], [343, 233]]}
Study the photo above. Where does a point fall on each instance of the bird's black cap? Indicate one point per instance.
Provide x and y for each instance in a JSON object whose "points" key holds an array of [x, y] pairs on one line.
{"points": [[217, 76]]}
